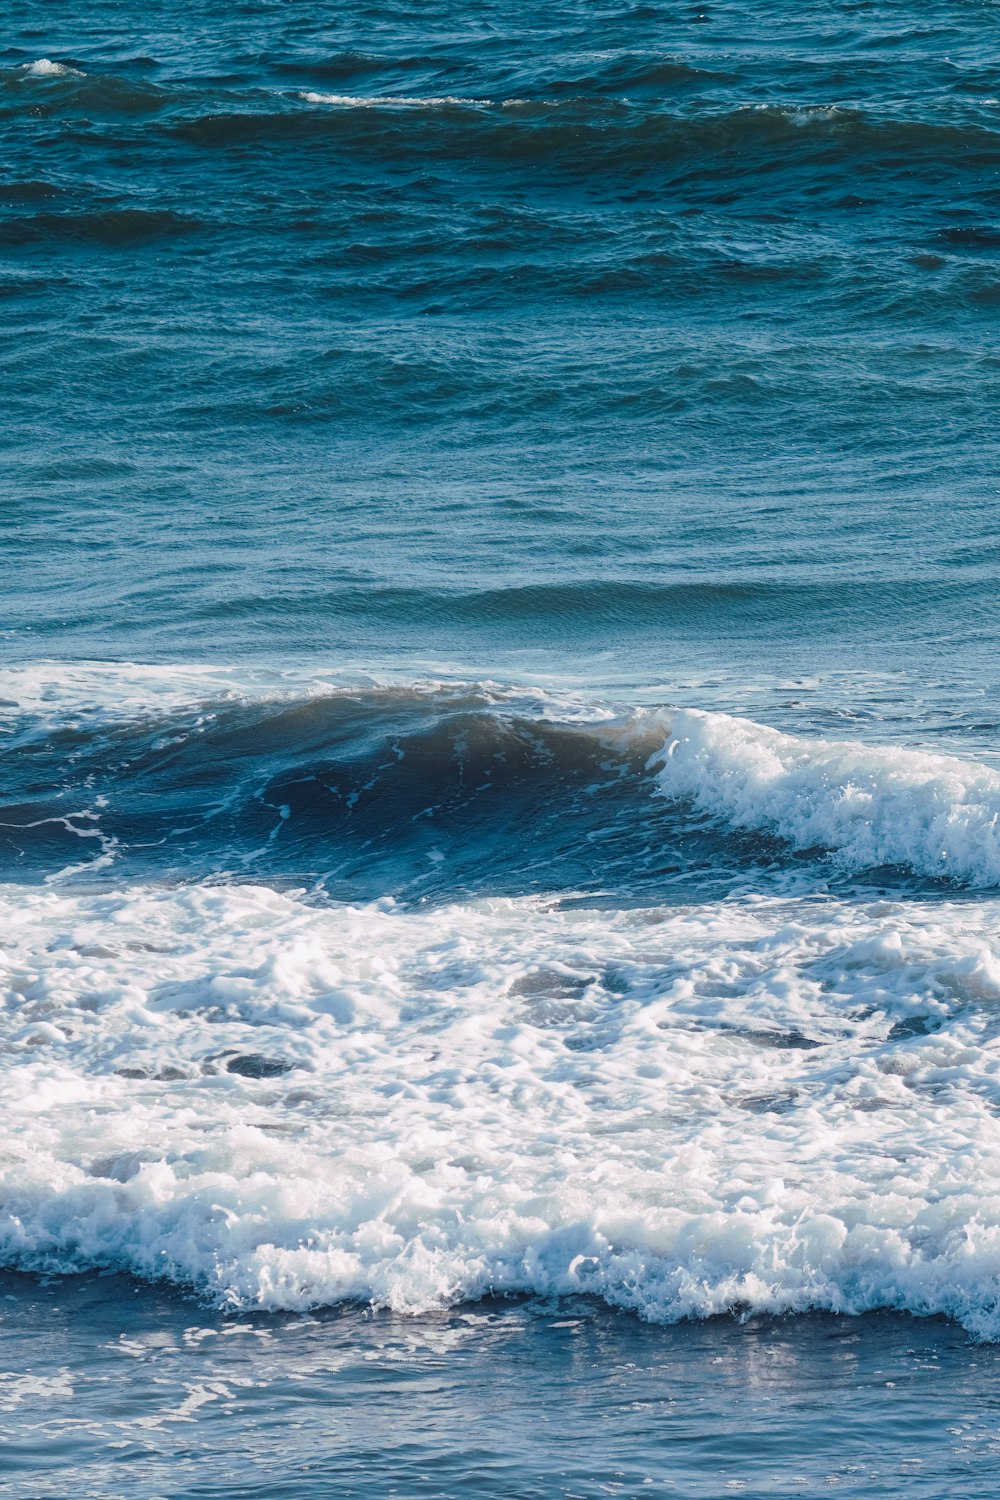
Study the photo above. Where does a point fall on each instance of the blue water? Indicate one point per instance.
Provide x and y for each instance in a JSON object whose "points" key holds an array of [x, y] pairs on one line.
{"points": [[499, 724], [674, 349], [148, 1396]]}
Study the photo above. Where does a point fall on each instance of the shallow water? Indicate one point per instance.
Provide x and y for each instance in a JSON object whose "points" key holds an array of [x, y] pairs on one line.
{"points": [[119, 1390]]}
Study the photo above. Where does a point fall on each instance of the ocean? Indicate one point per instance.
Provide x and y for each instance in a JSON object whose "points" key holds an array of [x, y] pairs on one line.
{"points": [[499, 749]]}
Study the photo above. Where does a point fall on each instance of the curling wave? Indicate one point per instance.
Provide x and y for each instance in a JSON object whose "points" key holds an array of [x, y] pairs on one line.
{"points": [[936, 815], [438, 790]]}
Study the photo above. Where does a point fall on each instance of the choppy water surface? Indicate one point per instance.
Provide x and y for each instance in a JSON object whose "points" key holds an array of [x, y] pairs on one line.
{"points": [[498, 711]]}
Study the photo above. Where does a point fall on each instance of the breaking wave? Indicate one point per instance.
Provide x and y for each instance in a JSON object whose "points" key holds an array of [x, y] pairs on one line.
{"points": [[774, 1105], [437, 789]]}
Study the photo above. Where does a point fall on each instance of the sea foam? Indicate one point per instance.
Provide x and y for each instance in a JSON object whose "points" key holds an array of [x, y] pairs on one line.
{"points": [[772, 1104], [934, 814], [390, 101], [46, 68]]}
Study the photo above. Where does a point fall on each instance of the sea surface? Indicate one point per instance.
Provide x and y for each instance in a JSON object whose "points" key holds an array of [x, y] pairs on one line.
{"points": [[499, 748]]}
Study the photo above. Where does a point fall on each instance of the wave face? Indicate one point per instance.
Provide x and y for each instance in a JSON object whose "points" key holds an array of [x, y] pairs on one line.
{"points": [[433, 791]]}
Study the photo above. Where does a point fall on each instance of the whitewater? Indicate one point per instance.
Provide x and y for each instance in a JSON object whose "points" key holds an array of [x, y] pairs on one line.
{"points": [[778, 1100]]}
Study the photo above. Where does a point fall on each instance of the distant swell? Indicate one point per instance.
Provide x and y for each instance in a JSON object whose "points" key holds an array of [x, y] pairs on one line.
{"points": [[586, 137], [111, 227]]}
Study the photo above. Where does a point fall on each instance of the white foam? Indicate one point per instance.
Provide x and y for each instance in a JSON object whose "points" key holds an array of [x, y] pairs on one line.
{"points": [[59, 692], [419, 101], [45, 68], [56, 693], [873, 805], [391, 101], [679, 1111]]}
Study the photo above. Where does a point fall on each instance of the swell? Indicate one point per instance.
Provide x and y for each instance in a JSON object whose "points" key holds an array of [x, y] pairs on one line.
{"points": [[53, 89], [109, 227], [437, 792], [631, 116], [594, 605], [587, 137], [381, 73]]}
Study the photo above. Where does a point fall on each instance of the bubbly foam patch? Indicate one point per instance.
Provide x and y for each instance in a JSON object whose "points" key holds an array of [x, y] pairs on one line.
{"points": [[776, 1104], [390, 101], [45, 68], [57, 693], [872, 805]]}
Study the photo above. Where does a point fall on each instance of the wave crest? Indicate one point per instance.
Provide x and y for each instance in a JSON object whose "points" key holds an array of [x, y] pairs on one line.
{"points": [[871, 805]]}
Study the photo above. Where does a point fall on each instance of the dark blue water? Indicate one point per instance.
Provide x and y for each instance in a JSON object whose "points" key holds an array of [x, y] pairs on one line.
{"points": [[410, 413]]}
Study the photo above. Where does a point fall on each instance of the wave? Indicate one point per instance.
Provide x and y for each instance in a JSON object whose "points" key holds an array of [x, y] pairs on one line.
{"points": [[775, 1105], [109, 227], [627, 113], [586, 137], [871, 805], [365, 791], [431, 790], [599, 602], [623, 73], [55, 89], [352, 63]]}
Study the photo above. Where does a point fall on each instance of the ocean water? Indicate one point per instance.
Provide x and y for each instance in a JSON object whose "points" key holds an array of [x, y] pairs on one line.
{"points": [[499, 755]]}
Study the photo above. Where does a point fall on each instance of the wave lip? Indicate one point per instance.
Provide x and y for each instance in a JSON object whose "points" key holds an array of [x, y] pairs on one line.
{"points": [[871, 806]]}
